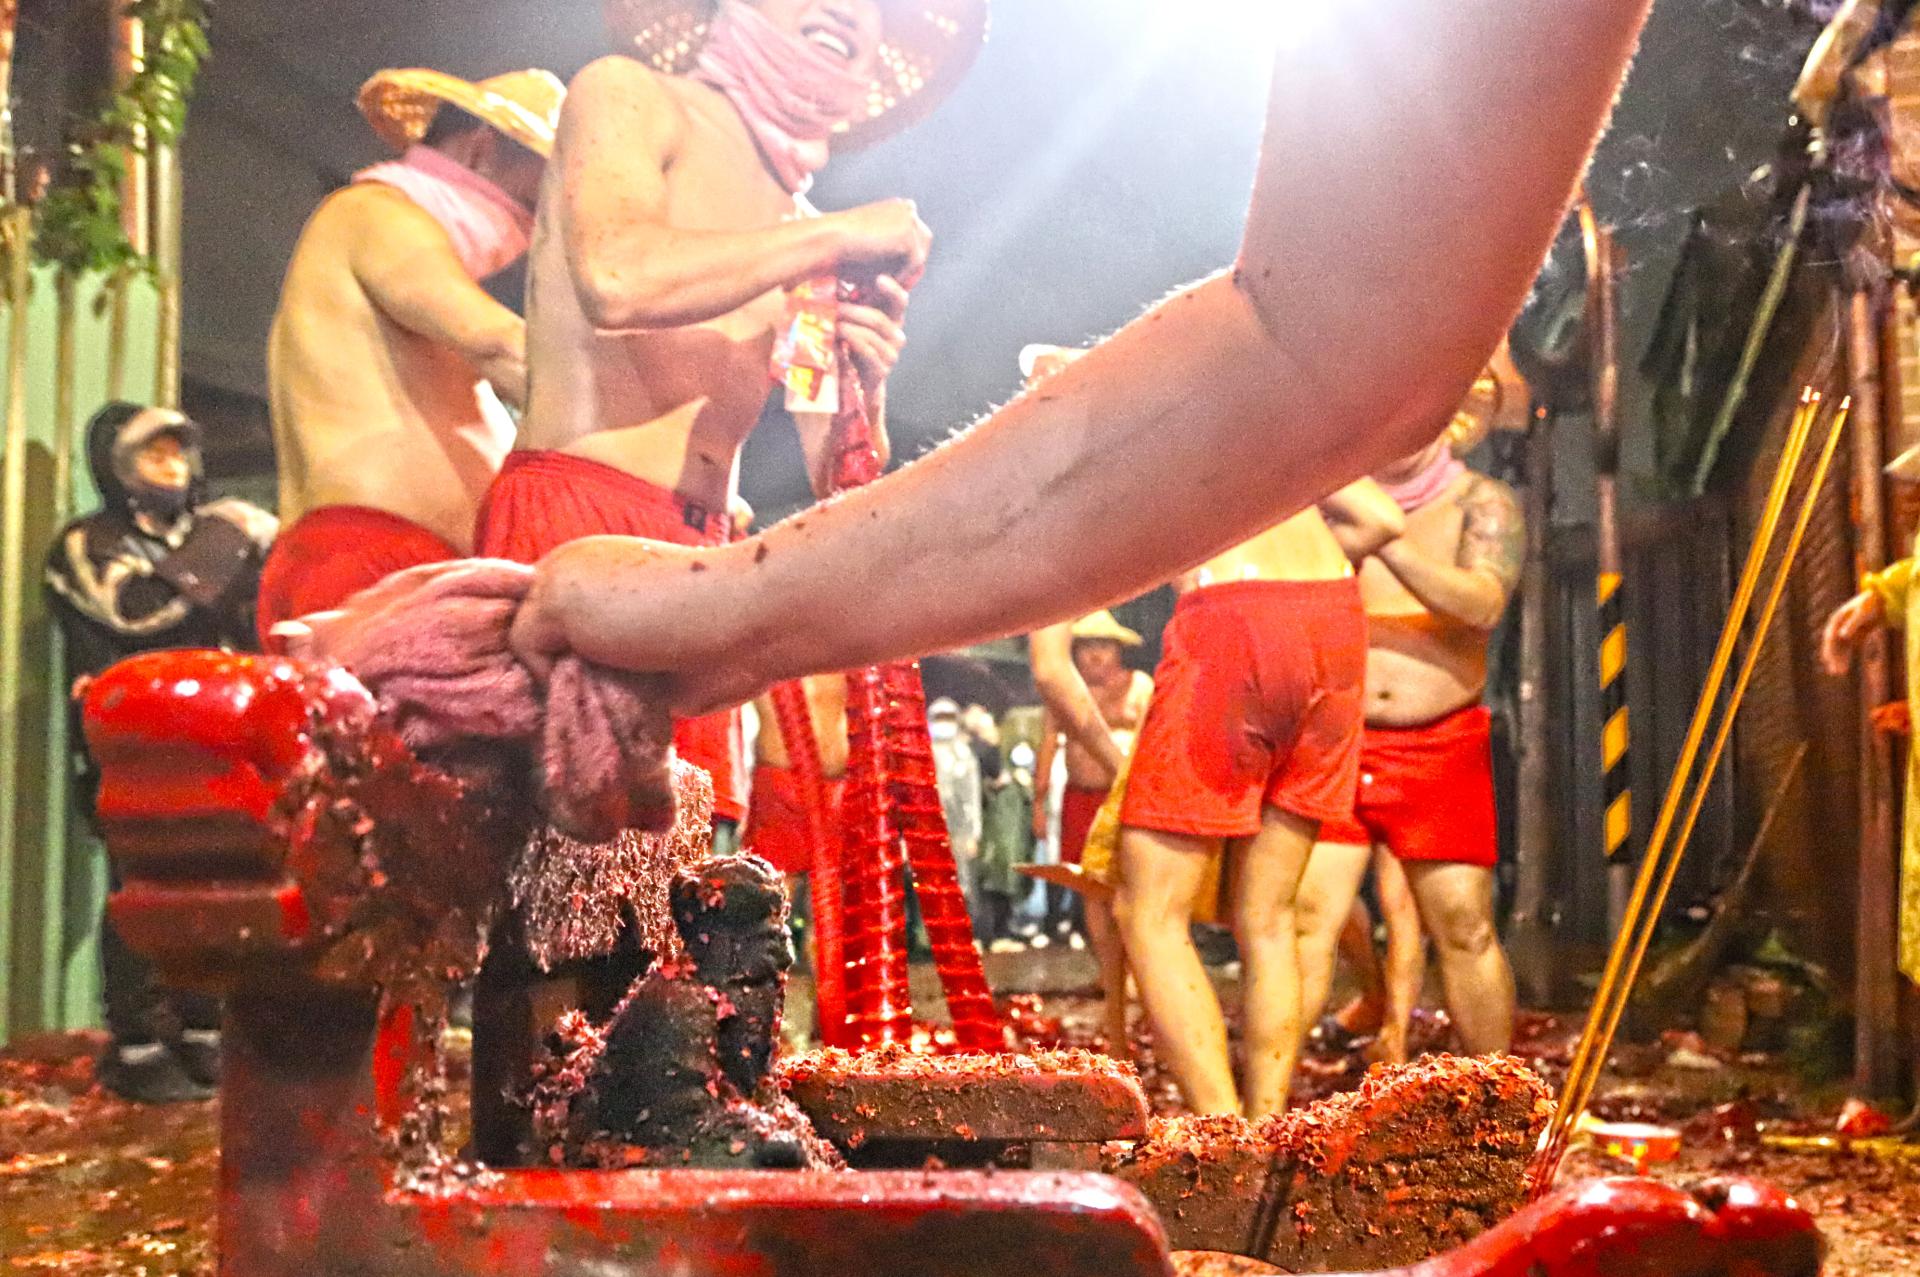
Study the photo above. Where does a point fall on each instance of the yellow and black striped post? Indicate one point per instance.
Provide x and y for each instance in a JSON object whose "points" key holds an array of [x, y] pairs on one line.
{"points": [[1603, 330], [1616, 735]]}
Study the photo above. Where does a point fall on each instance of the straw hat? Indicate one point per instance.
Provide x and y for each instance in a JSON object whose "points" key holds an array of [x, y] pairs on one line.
{"points": [[928, 47], [1102, 625], [523, 105]]}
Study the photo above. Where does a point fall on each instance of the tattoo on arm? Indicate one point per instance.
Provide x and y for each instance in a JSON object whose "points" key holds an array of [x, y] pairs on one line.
{"points": [[1494, 537]]}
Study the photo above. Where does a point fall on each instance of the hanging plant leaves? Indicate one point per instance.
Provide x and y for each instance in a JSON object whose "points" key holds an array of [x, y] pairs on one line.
{"points": [[78, 222]]}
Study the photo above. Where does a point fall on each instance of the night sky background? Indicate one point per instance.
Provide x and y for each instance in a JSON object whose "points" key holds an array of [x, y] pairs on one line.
{"points": [[1099, 155]]}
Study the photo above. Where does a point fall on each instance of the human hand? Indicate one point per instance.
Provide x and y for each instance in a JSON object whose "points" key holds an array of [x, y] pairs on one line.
{"points": [[321, 636], [871, 330], [887, 238], [646, 608], [1845, 629]]}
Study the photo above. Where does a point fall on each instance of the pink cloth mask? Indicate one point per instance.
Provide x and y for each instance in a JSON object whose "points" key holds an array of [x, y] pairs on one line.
{"points": [[1426, 487], [791, 93], [489, 228]]}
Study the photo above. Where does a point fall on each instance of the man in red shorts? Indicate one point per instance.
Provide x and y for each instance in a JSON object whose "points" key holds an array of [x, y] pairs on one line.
{"points": [[1433, 597], [1252, 740], [383, 337], [1099, 644], [777, 828], [672, 230]]}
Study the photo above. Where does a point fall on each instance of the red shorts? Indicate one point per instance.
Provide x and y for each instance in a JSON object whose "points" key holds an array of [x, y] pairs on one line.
{"points": [[777, 819], [1078, 807], [542, 500], [1426, 793], [335, 552], [1257, 703]]}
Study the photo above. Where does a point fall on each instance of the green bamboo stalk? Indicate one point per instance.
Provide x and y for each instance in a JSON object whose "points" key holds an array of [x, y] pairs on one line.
{"points": [[53, 877], [18, 234]]}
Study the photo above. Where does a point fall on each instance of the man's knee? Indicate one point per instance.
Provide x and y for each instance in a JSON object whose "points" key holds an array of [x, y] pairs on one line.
{"points": [[1263, 922], [1148, 897], [1464, 927]]}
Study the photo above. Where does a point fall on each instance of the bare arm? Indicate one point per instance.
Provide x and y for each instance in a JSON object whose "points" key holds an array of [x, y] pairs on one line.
{"points": [[620, 131], [1043, 770], [409, 270], [1069, 700], [1226, 408], [1475, 587], [1363, 518]]}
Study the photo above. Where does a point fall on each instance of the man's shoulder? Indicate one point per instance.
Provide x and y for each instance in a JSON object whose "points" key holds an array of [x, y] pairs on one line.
{"points": [[359, 205], [1483, 491], [618, 80]]}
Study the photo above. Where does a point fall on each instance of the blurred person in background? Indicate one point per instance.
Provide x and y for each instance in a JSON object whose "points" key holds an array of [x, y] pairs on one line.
{"points": [[157, 567]]}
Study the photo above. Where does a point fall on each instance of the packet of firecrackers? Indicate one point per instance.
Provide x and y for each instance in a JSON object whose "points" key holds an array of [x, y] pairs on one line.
{"points": [[806, 357]]}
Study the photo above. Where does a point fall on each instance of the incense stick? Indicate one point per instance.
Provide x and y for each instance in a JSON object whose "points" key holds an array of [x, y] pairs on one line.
{"points": [[1590, 1053]]}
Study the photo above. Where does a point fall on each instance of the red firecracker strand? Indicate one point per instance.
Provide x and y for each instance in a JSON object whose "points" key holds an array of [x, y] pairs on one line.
{"points": [[879, 1005], [893, 801], [943, 905], [823, 880]]}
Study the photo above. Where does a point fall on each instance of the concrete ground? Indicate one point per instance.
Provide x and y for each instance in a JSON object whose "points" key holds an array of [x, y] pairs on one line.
{"points": [[92, 1186]]}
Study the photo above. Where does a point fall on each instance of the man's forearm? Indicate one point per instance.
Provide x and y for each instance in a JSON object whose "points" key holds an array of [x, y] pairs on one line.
{"points": [[658, 277], [1471, 596], [1363, 518], [1228, 407]]}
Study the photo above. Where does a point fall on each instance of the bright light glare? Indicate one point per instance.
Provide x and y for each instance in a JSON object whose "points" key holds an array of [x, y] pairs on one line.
{"points": [[1283, 24]]}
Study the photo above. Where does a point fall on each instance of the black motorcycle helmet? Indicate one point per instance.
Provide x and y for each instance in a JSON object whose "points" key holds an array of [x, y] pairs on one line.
{"points": [[115, 436]]}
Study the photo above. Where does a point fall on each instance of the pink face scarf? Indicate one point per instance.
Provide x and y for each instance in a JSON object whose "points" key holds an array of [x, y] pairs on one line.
{"points": [[488, 227], [792, 94], [1426, 487]]}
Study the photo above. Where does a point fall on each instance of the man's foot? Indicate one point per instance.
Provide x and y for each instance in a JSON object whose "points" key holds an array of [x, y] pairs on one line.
{"points": [[149, 1073], [198, 1051]]}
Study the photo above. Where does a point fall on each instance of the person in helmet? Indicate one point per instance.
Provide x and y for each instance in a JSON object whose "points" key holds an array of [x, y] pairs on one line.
{"points": [[157, 566]]}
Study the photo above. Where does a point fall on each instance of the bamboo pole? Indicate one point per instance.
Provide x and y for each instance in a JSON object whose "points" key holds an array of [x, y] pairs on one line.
{"points": [[1529, 931], [1603, 325], [129, 55], [1877, 1055], [53, 877], [9, 177], [18, 237], [117, 317], [167, 266]]}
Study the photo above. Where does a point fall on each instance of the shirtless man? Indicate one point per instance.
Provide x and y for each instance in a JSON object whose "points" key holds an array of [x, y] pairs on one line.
{"points": [[387, 438], [1374, 278], [1097, 644], [777, 819], [1252, 740], [671, 229], [1433, 597]]}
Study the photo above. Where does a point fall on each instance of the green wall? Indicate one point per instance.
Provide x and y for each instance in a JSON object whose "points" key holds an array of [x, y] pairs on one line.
{"points": [[52, 872]]}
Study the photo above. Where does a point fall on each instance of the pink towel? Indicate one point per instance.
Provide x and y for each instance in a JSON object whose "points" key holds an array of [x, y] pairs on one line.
{"points": [[432, 646]]}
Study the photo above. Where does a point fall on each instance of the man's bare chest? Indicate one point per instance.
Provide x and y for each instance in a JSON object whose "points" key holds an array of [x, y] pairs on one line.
{"points": [[1116, 702]]}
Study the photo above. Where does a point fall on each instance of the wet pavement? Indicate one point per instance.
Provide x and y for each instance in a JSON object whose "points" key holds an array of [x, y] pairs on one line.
{"points": [[92, 1185]]}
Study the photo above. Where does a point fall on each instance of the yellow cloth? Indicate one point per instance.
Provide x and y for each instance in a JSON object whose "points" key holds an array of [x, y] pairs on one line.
{"points": [[1895, 588], [1100, 860]]}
